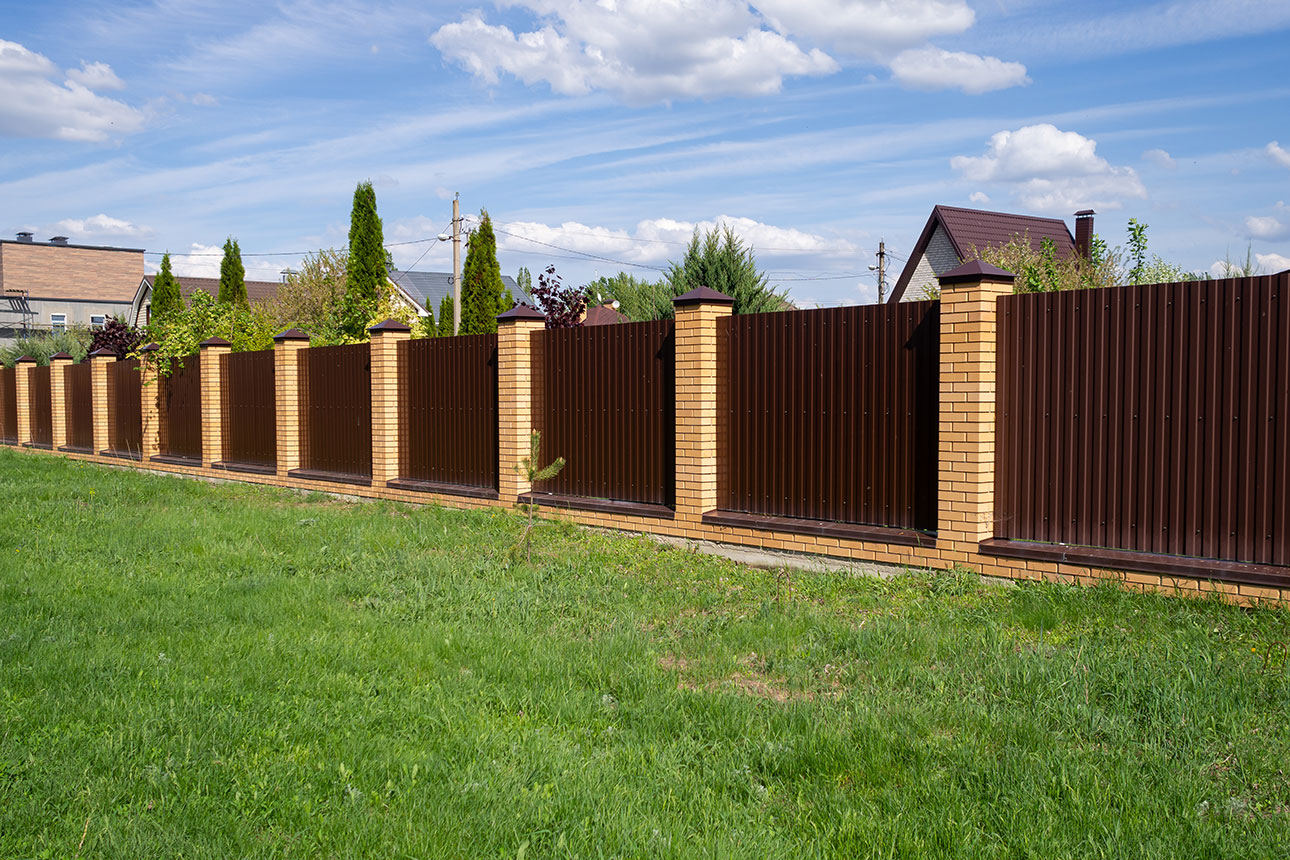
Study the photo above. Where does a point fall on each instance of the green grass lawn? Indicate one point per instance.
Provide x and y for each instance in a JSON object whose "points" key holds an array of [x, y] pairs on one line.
{"points": [[190, 670]]}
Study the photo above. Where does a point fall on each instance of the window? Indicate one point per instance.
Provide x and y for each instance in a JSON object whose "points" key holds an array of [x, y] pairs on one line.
{"points": [[58, 323], [96, 321]]}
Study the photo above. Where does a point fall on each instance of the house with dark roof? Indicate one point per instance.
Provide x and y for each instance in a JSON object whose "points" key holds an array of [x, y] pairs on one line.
{"points": [[953, 234], [48, 286], [606, 314], [141, 305]]}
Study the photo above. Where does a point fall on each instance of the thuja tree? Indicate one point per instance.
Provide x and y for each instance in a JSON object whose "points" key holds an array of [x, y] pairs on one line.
{"points": [[166, 300], [367, 272], [232, 275], [483, 295], [444, 325]]}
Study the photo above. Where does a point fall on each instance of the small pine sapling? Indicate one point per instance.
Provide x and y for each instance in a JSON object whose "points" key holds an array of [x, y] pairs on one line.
{"points": [[529, 469]]}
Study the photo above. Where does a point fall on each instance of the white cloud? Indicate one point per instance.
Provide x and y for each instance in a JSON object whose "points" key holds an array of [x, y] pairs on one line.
{"points": [[1266, 264], [979, 197], [101, 225], [204, 100], [1279, 154], [639, 50], [1266, 227], [1273, 263], [876, 29], [202, 261], [1051, 170], [931, 68], [1159, 158], [95, 76], [36, 104]]}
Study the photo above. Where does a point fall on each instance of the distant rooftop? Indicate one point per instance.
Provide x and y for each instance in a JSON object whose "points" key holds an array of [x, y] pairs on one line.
{"points": [[429, 288]]}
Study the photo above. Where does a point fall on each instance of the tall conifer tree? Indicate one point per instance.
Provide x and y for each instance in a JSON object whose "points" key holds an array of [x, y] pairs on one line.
{"points": [[444, 325], [232, 275], [366, 273], [166, 300], [482, 292]]}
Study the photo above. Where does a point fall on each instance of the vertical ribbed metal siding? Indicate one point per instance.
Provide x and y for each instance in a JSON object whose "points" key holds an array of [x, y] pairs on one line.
{"points": [[608, 407], [336, 409], [9, 405], [40, 394], [249, 408], [181, 432], [125, 407], [448, 410], [832, 414], [79, 404], [1148, 418]]}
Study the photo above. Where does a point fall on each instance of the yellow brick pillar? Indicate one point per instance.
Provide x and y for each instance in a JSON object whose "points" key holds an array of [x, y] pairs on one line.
{"points": [[99, 410], [212, 389], [515, 332], [152, 404], [386, 337], [58, 362], [286, 380], [699, 315], [969, 307], [22, 384]]}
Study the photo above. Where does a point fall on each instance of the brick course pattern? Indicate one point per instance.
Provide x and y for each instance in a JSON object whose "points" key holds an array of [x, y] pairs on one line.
{"points": [[966, 449], [64, 272]]}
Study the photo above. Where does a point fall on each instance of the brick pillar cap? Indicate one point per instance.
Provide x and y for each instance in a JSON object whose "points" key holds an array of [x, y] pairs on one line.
{"points": [[976, 272], [291, 334], [521, 311], [702, 295], [26, 359], [103, 352], [152, 347], [214, 341], [61, 356], [389, 325]]}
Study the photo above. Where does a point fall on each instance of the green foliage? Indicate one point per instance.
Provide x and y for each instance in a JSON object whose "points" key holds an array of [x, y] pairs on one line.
{"points": [[483, 295], [232, 275], [1247, 268], [524, 280], [444, 326], [720, 261], [529, 469], [166, 299], [74, 340], [638, 299], [308, 298], [367, 270], [246, 328]]}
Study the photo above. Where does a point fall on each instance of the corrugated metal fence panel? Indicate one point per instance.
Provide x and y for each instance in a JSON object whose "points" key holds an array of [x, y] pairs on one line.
{"points": [[125, 407], [832, 414], [249, 409], [608, 408], [1148, 418], [42, 405], [79, 404], [336, 409], [9, 405], [448, 410], [181, 432]]}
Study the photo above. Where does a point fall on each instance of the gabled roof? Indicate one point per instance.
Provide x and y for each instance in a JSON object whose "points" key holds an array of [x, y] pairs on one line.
{"points": [[427, 289], [975, 228], [256, 291], [603, 315]]}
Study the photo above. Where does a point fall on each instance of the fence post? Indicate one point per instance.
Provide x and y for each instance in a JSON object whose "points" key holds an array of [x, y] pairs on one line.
{"points": [[152, 405], [969, 308], [58, 399], [386, 337], [22, 385], [286, 374], [515, 330], [699, 367], [100, 413], [211, 385]]}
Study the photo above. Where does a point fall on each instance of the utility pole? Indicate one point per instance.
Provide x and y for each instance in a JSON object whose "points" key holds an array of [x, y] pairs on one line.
{"points": [[882, 271], [456, 264]]}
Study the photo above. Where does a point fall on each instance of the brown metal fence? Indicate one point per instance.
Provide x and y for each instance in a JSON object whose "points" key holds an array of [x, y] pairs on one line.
{"points": [[9, 405], [832, 415], [249, 408], [336, 410], [79, 406], [607, 406], [41, 399], [125, 408], [448, 411], [180, 433], [1148, 418]]}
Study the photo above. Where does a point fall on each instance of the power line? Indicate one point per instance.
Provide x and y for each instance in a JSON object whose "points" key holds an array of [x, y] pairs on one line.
{"points": [[580, 253], [285, 253]]}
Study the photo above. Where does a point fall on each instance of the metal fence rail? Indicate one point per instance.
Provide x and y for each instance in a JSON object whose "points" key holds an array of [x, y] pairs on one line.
{"points": [[832, 415], [9, 405], [336, 410], [125, 408], [40, 392], [78, 402], [1148, 418], [181, 430], [249, 409], [448, 411]]}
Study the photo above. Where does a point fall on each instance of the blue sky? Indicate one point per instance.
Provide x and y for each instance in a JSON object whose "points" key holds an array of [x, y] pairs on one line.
{"points": [[610, 129]]}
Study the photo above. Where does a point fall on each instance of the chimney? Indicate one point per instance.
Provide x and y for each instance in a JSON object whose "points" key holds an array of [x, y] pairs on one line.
{"points": [[58, 240], [1084, 232], [24, 237]]}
